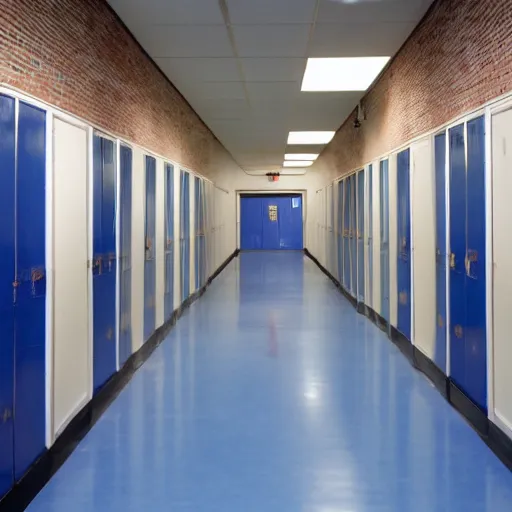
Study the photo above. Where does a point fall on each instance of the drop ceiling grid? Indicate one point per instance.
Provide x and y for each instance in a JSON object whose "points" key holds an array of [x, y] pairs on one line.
{"points": [[252, 110]]}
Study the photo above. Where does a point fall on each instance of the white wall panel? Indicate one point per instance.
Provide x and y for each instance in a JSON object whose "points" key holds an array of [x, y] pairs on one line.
{"points": [[138, 216], [502, 269], [424, 246], [393, 253], [71, 342], [160, 243], [376, 295]]}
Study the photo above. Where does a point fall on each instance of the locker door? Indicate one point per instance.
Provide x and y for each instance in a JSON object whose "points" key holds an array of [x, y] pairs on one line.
{"points": [[360, 236], [346, 236], [353, 236], [169, 241], [404, 243], [384, 238], [185, 235], [440, 166], [197, 222], [125, 329], [340, 231], [104, 256], [149, 261], [7, 269], [30, 310], [457, 255], [369, 299], [475, 328]]}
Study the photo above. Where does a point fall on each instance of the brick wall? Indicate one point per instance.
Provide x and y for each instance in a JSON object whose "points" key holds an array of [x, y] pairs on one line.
{"points": [[457, 59], [76, 55]]}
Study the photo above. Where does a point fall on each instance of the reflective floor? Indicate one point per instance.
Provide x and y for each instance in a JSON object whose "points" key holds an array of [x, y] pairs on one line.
{"points": [[273, 395]]}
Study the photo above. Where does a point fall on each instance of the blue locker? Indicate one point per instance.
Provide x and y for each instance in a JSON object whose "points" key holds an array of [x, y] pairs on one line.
{"points": [[169, 241], [404, 243], [30, 309], [200, 235], [149, 260], [440, 166], [370, 235], [457, 256], [104, 257], [475, 326], [384, 238], [332, 236], [360, 236], [185, 235], [125, 292], [353, 235], [347, 260], [7, 269], [339, 231]]}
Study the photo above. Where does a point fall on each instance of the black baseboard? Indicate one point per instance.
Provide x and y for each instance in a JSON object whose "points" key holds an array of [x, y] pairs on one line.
{"points": [[27, 488], [491, 434]]}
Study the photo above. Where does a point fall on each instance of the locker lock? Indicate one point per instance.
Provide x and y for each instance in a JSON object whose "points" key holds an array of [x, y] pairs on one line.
{"points": [[452, 260]]}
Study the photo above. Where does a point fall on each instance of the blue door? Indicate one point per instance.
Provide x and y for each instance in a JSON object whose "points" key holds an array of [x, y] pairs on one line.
{"points": [[370, 235], [185, 235], [384, 238], [353, 235], [104, 256], [475, 326], [30, 309], [271, 222], [404, 244], [347, 272], [360, 236], [7, 269], [440, 165], [125, 259], [169, 241], [339, 231], [457, 256], [149, 261]]}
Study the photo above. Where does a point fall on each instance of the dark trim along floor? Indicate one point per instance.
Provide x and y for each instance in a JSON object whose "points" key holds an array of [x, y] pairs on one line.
{"points": [[26, 489], [495, 438]]}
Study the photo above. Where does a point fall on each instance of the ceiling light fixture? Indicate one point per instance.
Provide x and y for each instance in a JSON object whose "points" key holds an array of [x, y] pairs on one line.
{"points": [[310, 137], [342, 74], [297, 163], [301, 156]]}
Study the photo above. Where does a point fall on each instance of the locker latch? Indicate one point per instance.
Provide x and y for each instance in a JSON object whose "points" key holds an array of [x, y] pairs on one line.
{"points": [[471, 257], [458, 331], [169, 242], [97, 264], [440, 321], [110, 333], [6, 415], [452, 260], [402, 297]]}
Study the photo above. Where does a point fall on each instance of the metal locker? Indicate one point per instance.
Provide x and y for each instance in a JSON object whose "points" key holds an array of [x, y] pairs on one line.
{"points": [[200, 233], [7, 270], [169, 241], [384, 238], [475, 325], [104, 260], [125, 259], [369, 300], [441, 257], [353, 235], [339, 231], [404, 243], [30, 306], [457, 256], [347, 273], [360, 236], [150, 249], [185, 235]]}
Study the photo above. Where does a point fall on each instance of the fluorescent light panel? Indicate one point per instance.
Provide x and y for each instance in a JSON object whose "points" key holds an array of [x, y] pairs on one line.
{"points": [[301, 156], [342, 74], [297, 163], [310, 137]]}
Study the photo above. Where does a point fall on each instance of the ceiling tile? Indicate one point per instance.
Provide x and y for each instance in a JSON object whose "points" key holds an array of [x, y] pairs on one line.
{"points": [[273, 90], [358, 40], [269, 11], [185, 41], [271, 40], [367, 11], [162, 12], [273, 70], [215, 91], [200, 69]]}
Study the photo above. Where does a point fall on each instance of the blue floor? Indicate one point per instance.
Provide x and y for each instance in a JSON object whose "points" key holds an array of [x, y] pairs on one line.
{"points": [[273, 395]]}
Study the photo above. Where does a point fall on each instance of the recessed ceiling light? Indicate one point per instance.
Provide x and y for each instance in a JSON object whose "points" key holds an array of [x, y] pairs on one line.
{"points": [[301, 156], [310, 137], [297, 163], [342, 74]]}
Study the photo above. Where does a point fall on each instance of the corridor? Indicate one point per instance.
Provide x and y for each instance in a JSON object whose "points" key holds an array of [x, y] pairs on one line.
{"points": [[272, 394]]}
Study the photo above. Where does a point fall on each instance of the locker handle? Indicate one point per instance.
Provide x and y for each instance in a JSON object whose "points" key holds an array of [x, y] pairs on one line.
{"points": [[452, 260]]}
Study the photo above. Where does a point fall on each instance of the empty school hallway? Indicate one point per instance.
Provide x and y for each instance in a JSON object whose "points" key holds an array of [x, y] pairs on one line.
{"points": [[273, 394]]}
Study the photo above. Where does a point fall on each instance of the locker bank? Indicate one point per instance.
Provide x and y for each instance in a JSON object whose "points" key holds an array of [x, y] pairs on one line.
{"points": [[255, 256]]}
